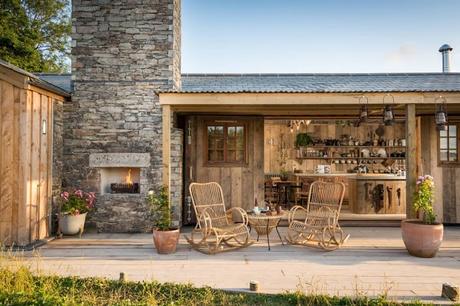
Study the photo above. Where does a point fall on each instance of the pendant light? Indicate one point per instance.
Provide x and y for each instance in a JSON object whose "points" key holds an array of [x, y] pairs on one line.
{"points": [[364, 112], [441, 113], [388, 115]]}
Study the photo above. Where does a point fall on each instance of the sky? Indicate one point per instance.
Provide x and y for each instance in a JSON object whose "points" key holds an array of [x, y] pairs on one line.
{"points": [[318, 36]]}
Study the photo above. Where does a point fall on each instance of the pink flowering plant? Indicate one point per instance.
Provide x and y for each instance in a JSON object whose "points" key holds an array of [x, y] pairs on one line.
{"points": [[77, 202], [424, 197]]}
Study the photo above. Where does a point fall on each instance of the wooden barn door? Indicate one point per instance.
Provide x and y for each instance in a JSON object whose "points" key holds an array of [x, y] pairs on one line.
{"points": [[241, 181]]}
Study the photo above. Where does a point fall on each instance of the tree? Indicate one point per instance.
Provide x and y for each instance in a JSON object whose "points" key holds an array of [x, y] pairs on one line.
{"points": [[35, 34]]}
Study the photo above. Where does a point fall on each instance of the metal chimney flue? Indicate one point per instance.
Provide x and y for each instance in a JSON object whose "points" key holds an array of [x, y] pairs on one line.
{"points": [[445, 51]]}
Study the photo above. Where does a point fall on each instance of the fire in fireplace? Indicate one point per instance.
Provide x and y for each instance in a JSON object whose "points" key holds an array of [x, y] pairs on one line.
{"points": [[127, 187]]}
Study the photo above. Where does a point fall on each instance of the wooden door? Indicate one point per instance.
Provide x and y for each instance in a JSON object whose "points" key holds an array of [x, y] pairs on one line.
{"points": [[241, 182]]}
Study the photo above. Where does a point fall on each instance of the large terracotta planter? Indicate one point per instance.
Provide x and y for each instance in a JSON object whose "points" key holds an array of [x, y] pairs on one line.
{"points": [[166, 241], [422, 240], [72, 225]]}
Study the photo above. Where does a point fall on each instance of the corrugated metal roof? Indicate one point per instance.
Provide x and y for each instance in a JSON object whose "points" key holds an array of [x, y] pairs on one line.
{"points": [[319, 83]]}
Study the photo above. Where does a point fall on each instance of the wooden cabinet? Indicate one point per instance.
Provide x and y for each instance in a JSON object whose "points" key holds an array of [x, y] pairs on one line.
{"points": [[377, 196]]}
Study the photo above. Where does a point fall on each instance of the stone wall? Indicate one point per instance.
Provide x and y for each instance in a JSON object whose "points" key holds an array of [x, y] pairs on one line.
{"points": [[177, 151], [123, 52]]}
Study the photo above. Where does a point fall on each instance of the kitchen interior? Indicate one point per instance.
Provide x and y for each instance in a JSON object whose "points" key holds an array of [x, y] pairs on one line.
{"points": [[366, 154]]}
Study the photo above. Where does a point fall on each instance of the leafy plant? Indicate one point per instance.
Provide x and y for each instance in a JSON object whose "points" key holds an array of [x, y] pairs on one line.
{"points": [[35, 35], [424, 198], [77, 202], [302, 140], [159, 206]]}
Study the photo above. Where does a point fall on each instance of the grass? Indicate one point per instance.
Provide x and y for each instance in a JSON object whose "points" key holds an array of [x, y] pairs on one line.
{"points": [[22, 287]]}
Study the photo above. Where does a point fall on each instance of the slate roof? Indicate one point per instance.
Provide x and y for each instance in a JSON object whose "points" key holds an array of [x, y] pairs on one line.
{"points": [[319, 83], [34, 79], [302, 83], [60, 80]]}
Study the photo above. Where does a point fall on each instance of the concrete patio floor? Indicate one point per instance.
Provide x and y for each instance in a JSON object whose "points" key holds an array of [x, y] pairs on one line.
{"points": [[373, 262]]}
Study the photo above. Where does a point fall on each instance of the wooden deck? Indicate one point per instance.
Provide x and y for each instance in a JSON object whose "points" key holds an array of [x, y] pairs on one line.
{"points": [[374, 261]]}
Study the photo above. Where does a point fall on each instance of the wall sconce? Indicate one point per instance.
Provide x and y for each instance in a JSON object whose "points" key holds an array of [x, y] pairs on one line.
{"points": [[189, 132], [297, 124], [441, 114], [388, 115], [44, 127]]}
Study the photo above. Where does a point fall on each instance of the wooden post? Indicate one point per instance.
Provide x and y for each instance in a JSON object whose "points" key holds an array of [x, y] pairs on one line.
{"points": [[166, 145], [411, 159]]}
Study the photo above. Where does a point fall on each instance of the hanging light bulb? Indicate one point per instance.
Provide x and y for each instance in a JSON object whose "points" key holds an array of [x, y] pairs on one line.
{"points": [[388, 115], [441, 114]]}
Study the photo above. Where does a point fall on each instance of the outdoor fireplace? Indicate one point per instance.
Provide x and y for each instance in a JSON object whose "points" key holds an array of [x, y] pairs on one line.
{"points": [[128, 186], [121, 173], [120, 180]]}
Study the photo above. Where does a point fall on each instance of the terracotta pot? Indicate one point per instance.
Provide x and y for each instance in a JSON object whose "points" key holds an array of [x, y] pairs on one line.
{"points": [[72, 225], [422, 240], [166, 241]]}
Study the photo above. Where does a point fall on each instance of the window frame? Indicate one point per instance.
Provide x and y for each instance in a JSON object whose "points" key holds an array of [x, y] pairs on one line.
{"points": [[447, 163], [226, 123]]}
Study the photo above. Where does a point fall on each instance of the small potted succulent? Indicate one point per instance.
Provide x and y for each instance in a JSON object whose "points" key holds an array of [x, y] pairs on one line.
{"points": [[75, 205], [423, 236], [165, 237]]}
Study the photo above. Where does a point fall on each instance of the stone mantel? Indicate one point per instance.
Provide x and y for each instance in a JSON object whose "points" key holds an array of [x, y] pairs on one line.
{"points": [[103, 160]]}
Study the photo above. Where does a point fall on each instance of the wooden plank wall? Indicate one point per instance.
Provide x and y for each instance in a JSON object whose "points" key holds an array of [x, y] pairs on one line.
{"points": [[278, 136], [242, 184], [25, 164], [447, 179]]}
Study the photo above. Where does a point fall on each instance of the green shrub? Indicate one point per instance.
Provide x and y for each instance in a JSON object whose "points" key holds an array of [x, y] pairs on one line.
{"points": [[21, 287]]}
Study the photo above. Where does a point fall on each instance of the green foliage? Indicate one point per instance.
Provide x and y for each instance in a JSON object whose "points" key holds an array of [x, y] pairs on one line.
{"points": [[159, 206], [35, 34], [423, 202], [21, 287], [302, 140]]}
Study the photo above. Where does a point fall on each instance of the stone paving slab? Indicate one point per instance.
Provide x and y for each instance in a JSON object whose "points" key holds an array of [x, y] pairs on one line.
{"points": [[373, 262]]}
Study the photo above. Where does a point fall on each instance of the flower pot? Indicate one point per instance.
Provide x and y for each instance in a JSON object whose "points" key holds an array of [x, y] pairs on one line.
{"points": [[72, 224], [166, 241], [422, 240]]}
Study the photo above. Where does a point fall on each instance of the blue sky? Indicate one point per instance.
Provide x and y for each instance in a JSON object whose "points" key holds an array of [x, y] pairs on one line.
{"points": [[240, 36]]}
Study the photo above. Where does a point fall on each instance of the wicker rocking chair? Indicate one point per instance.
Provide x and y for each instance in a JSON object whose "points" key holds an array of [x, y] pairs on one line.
{"points": [[321, 225], [215, 230]]}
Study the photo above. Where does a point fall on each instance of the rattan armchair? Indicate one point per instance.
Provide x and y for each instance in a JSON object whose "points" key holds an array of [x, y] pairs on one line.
{"points": [[215, 230], [320, 227]]}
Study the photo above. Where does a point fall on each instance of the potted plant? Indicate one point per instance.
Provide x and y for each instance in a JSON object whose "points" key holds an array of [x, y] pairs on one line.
{"points": [[423, 236], [165, 237], [302, 140], [75, 205]]}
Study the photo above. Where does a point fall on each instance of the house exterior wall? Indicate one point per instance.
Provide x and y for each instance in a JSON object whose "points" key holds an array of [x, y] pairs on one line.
{"points": [[123, 52], [446, 178]]}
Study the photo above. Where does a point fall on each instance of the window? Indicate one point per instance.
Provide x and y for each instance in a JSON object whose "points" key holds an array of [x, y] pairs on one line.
{"points": [[448, 144], [226, 142]]}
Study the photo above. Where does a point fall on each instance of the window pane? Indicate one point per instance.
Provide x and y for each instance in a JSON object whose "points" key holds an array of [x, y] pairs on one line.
{"points": [[231, 143], [452, 130], [240, 155], [231, 131], [452, 143], [216, 155], [231, 155], [452, 155], [443, 143], [443, 155], [443, 133]]}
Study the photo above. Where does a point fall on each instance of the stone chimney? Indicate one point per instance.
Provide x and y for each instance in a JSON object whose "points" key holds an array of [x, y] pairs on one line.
{"points": [[445, 50], [123, 52]]}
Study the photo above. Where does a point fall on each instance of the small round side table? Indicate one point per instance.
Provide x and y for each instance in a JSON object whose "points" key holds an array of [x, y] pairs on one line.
{"points": [[264, 224]]}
